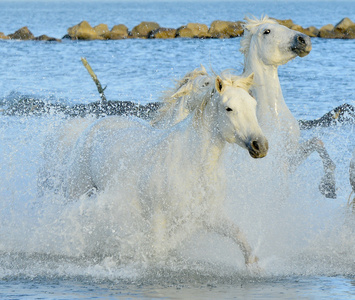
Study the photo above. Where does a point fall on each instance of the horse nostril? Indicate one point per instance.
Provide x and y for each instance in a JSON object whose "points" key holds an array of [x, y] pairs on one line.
{"points": [[255, 145], [258, 148], [301, 40]]}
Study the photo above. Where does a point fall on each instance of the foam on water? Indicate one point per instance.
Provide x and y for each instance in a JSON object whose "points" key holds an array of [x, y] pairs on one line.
{"points": [[293, 229]]}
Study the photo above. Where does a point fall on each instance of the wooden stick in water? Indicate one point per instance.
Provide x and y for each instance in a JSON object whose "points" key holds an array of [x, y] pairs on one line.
{"points": [[96, 80]]}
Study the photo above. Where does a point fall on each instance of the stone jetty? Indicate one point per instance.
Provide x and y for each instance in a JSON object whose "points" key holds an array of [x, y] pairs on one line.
{"points": [[345, 29], [25, 34]]}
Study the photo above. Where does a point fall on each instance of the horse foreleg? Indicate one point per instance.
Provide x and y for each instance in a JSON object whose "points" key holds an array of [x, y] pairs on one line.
{"points": [[327, 185], [225, 227]]}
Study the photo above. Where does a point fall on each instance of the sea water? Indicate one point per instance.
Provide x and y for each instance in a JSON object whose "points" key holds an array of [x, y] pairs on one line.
{"points": [[51, 249]]}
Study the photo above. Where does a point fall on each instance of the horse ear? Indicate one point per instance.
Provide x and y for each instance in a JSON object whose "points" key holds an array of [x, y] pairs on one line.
{"points": [[250, 80], [219, 84]]}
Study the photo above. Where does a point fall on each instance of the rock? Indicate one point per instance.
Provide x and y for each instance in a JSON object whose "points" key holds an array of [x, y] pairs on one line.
{"points": [[350, 33], [163, 33], [3, 36], [193, 30], [226, 29], [143, 29], [345, 29], [199, 30], [313, 30], [328, 27], [310, 31], [119, 32], [184, 32], [47, 38], [83, 31], [327, 32], [288, 23], [304, 30], [343, 25], [22, 34], [297, 28], [102, 30]]}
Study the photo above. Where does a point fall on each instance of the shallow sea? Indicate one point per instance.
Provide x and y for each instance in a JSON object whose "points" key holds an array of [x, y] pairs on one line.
{"points": [[306, 245]]}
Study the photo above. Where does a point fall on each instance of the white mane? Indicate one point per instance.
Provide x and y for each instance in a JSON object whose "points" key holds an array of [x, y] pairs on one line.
{"points": [[193, 95], [183, 91], [250, 28], [235, 80]]}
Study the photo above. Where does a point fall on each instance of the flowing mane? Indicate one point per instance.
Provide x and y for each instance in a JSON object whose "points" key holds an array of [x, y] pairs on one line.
{"points": [[236, 81], [250, 29], [192, 93], [181, 93]]}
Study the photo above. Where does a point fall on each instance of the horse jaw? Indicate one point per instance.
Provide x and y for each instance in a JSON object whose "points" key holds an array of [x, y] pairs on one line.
{"points": [[301, 45], [279, 46], [258, 147], [241, 126]]}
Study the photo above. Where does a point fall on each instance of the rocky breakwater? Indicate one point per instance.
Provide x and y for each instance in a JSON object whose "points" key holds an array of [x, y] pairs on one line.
{"points": [[152, 30], [345, 29], [84, 31], [218, 29], [25, 34]]}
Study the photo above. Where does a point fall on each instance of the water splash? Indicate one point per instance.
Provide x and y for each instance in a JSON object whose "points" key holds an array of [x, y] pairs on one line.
{"points": [[294, 230]]}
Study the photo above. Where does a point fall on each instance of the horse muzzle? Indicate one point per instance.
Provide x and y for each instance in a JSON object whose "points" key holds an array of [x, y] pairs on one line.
{"points": [[301, 44], [258, 148]]}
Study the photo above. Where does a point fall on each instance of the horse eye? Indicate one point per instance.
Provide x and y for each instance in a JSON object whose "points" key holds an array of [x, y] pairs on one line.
{"points": [[266, 31], [229, 109]]}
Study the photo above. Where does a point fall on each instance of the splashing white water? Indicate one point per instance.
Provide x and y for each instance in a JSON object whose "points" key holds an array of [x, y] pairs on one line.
{"points": [[103, 236]]}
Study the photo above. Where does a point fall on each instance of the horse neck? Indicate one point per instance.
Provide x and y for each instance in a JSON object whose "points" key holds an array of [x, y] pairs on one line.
{"points": [[272, 111], [171, 115], [209, 138]]}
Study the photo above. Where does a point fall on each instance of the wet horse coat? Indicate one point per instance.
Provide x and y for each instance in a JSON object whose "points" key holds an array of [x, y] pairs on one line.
{"points": [[266, 45], [174, 176]]}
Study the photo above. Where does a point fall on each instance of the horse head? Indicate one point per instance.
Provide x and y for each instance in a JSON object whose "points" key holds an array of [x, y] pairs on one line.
{"points": [[237, 120], [273, 43]]}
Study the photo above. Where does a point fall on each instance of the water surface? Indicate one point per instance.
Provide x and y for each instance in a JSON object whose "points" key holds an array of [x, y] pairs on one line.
{"points": [[53, 250]]}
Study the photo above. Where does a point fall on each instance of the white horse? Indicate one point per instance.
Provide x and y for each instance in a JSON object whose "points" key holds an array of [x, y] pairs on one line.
{"points": [[265, 45], [173, 174]]}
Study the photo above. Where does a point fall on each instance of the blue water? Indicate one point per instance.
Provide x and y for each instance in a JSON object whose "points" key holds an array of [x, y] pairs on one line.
{"points": [[34, 262]]}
